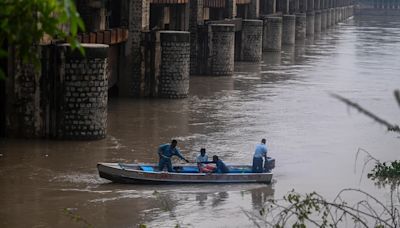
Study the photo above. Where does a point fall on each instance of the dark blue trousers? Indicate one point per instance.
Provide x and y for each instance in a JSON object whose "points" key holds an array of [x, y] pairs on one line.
{"points": [[257, 165], [165, 162]]}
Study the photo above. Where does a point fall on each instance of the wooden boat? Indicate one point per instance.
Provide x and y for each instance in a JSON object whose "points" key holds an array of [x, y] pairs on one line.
{"points": [[149, 174]]}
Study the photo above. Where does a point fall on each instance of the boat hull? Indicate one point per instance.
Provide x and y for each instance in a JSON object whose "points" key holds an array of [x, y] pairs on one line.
{"points": [[131, 174]]}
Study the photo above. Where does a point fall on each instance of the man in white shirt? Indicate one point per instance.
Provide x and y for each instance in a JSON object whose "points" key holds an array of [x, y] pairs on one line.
{"points": [[259, 153], [201, 160]]}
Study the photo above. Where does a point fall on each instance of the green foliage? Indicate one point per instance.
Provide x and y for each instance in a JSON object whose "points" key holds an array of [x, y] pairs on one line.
{"points": [[299, 211], [385, 170], [24, 23]]}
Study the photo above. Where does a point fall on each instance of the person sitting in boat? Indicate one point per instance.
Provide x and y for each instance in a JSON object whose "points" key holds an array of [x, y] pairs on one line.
{"points": [[166, 151], [259, 153], [220, 165], [201, 161]]}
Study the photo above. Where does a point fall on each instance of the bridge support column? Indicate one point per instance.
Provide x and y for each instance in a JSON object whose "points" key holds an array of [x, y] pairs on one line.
{"points": [[195, 20], [283, 6], [272, 33], [254, 9], [337, 15], [333, 17], [23, 110], [270, 7], [328, 18], [294, 6], [251, 41], [302, 6], [301, 24], [230, 9], [82, 111], [221, 49], [288, 29], [310, 23], [317, 22], [323, 19], [131, 81], [174, 64]]}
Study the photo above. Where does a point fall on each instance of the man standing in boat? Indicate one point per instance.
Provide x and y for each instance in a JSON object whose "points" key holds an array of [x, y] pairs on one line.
{"points": [[166, 151], [259, 153]]}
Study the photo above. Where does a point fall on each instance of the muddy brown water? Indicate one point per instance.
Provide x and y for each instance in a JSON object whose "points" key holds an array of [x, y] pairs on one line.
{"points": [[313, 137]]}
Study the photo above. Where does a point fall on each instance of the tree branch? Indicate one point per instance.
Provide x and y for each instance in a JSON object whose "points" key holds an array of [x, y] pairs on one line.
{"points": [[390, 127]]}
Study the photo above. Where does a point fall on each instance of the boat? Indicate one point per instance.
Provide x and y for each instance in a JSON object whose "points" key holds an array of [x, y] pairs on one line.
{"points": [[149, 174]]}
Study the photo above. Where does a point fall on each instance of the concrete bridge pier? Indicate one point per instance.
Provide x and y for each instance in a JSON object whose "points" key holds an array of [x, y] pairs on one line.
{"points": [[174, 64], [328, 18], [333, 17], [269, 7], [301, 24], [82, 111], [294, 6], [196, 12], [323, 19], [283, 6], [351, 10], [302, 6], [250, 42], [317, 22], [221, 49], [254, 9], [272, 33], [310, 23], [288, 29], [337, 15]]}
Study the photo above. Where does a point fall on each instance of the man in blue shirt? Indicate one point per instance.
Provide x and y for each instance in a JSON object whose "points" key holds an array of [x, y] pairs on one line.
{"points": [[259, 153], [220, 165], [166, 151]]}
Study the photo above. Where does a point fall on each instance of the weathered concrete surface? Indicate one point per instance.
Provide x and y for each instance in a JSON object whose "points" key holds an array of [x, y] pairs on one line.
{"points": [[317, 22], [272, 39], [323, 19], [174, 66], [221, 46], [301, 24], [251, 41], [195, 20], [83, 105], [24, 112], [288, 29], [310, 24]]}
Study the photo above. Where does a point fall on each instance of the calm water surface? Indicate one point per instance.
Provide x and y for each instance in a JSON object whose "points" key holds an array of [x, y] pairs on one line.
{"points": [[285, 99]]}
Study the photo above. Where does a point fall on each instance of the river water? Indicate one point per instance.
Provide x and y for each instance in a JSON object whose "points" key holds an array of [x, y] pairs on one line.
{"points": [[285, 99]]}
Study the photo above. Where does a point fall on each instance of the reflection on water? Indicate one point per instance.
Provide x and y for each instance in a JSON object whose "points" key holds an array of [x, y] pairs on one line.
{"points": [[285, 98], [259, 196]]}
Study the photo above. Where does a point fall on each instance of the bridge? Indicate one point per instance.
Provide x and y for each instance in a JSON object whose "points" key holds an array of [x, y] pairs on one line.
{"points": [[150, 48]]}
